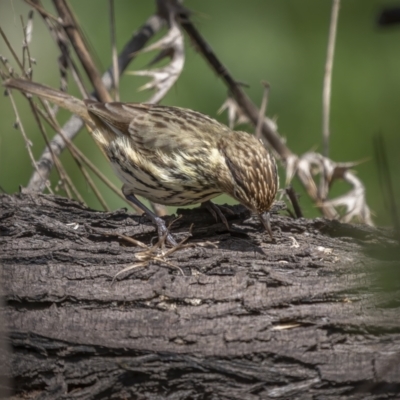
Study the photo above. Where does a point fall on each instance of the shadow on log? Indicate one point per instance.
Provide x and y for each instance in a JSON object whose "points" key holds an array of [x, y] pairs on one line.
{"points": [[302, 317]]}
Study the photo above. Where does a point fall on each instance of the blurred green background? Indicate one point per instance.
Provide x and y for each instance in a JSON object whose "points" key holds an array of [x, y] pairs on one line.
{"points": [[282, 42]]}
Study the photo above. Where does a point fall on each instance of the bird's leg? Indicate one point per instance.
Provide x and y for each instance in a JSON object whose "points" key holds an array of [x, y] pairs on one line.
{"points": [[162, 229], [216, 212]]}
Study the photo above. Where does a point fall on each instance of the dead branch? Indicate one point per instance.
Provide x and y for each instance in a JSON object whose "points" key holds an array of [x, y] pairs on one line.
{"points": [[71, 28]]}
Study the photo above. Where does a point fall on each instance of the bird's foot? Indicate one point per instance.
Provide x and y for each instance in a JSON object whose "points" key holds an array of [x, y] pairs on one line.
{"points": [[216, 211], [163, 232]]}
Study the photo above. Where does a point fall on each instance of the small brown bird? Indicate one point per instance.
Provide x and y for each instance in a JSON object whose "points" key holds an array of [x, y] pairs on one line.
{"points": [[173, 156]]}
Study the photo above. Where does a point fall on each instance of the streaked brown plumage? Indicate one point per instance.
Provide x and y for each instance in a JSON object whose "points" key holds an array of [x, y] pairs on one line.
{"points": [[173, 156]]}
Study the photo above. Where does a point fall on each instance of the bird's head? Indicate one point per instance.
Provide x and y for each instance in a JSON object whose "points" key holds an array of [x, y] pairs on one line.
{"points": [[250, 174]]}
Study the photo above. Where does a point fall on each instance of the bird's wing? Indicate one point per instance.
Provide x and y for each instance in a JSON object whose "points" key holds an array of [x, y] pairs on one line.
{"points": [[157, 128]]}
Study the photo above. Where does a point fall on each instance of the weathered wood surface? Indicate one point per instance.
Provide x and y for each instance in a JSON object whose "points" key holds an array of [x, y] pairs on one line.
{"points": [[304, 317]]}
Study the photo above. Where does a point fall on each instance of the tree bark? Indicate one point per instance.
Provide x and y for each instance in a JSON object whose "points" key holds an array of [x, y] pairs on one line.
{"points": [[306, 316]]}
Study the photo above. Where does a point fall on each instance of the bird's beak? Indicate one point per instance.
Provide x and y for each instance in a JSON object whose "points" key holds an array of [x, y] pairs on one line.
{"points": [[265, 220]]}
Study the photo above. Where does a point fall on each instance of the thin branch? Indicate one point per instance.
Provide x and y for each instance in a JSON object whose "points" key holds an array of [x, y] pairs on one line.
{"points": [[294, 200], [3, 35], [45, 163], [263, 109], [92, 185], [326, 95], [385, 181], [38, 7], [74, 35], [27, 29], [25, 137], [65, 181], [268, 127], [114, 50]]}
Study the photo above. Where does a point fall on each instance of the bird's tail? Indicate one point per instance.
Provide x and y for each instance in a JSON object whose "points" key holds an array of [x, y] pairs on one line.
{"points": [[57, 97]]}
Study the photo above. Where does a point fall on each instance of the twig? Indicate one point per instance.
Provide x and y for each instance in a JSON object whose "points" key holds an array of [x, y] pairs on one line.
{"points": [[92, 185], [114, 51], [27, 29], [65, 181], [12, 51], [385, 181], [236, 90], [70, 27], [263, 109], [45, 163], [128, 239], [26, 140], [38, 7], [294, 200], [326, 95]]}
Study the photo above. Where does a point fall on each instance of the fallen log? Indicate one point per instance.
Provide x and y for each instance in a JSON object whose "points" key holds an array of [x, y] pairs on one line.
{"points": [[236, 316]]}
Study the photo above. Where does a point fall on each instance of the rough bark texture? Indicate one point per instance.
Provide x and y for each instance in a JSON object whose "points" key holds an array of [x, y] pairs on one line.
{"points": [[302, 317]]}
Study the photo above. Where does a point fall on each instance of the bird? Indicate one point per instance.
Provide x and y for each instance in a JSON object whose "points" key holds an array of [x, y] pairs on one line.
{"points": [[173, 156]]}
